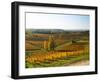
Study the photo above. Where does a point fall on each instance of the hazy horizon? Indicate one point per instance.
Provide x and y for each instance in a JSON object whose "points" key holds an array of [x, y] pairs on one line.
{"points": [[57, 29]]}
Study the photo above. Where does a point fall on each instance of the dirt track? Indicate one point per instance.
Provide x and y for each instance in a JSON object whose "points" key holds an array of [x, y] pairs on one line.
{"points": [[80, 63]]}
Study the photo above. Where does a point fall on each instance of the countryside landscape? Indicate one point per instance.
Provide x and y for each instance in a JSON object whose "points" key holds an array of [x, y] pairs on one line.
{"points": [[56, 48]]}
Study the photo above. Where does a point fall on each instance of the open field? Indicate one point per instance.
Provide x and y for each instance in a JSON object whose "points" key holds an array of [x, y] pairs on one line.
{"points": [[56, 48]]}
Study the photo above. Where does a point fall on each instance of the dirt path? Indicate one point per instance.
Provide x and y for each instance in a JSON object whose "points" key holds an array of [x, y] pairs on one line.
{"points": [[80, 63]]}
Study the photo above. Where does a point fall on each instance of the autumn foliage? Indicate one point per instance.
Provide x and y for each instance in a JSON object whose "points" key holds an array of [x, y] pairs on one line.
{"points": [[54, 55]]}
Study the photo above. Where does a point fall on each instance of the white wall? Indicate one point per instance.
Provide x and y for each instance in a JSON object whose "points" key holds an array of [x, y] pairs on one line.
{"points": [[5, 40]]}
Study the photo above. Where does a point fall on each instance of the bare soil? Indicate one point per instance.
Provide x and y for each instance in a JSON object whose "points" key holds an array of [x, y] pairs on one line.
{"points": [[80, 63]]}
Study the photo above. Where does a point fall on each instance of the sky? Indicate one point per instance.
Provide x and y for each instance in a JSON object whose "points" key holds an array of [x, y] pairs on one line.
{"points": [[57, 21]]}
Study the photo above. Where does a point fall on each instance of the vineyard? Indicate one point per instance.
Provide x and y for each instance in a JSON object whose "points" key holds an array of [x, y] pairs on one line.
{"points": [[51, 56], [46, 50], [55, 56]]}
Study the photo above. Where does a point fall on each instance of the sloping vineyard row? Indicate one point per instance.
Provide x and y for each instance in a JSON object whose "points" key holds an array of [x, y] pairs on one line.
{"points": [[53, 56]]}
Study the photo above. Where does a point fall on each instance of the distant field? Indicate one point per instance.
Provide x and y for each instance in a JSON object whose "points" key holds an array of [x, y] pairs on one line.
{"points": [[55, 49]]}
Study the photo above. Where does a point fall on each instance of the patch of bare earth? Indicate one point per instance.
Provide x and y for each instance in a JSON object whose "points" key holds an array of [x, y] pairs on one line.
{"points": [[80, 63]]}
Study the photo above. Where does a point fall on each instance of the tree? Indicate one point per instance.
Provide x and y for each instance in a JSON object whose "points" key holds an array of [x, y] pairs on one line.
{"points": [[51, 43], [73, 41], [46, 45]]}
